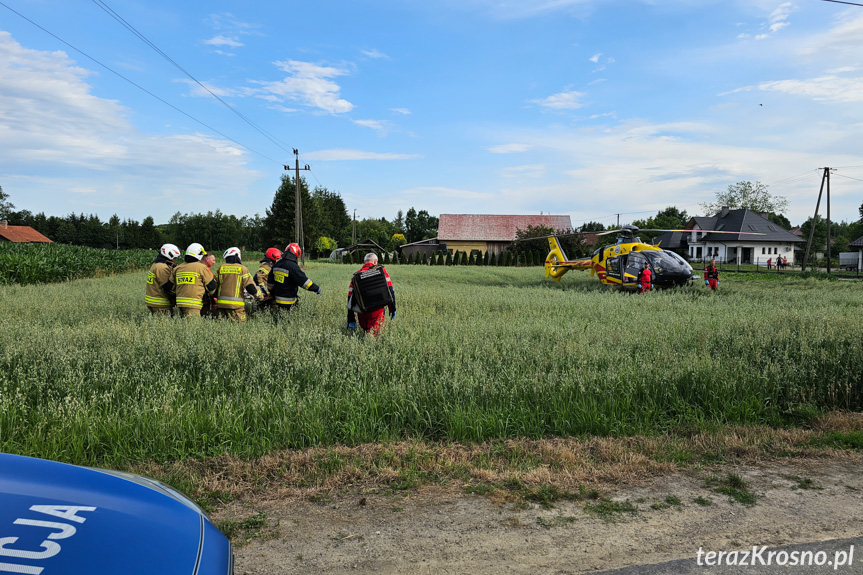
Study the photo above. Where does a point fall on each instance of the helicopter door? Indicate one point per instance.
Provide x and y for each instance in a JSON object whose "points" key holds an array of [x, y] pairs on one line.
{"points": [[634, 264], [613, 267]]}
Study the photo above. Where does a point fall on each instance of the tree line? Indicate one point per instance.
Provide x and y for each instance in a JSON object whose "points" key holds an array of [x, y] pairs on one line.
{"points": [[326, 225]]}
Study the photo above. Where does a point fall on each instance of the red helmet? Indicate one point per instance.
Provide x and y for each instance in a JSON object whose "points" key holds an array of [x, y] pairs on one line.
{"points": [[274, 254], [294, 248]]}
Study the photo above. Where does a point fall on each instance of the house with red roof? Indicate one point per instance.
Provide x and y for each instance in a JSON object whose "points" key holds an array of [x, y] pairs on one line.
{"points": [[490, 233], [21, 234]]}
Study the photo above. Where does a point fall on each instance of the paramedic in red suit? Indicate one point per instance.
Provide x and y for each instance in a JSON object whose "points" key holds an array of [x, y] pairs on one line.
{"points": [[372, 320], [711, 275], [644, 280]]}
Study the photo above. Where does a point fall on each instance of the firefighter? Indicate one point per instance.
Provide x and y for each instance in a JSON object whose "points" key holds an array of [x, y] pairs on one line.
{"points": [[192, 280], [286, 278], [271, 256], [711, 275], [233, 278], [371, 291], [644, 279], [158, 301]]}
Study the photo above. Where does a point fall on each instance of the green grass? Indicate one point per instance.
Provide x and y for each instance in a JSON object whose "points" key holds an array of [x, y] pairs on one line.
{"points": [[734, 487], [475, 354]]}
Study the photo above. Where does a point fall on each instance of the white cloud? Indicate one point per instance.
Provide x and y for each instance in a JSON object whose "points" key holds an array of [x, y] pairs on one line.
{"points": [[223, 41], [308, 84], [382, 128], [227, 21], [376, 54], [829, 88], [402, 111], [525, 171], [595, 58], [509, 148], [561, 101], [339, 155], [66, 150]]}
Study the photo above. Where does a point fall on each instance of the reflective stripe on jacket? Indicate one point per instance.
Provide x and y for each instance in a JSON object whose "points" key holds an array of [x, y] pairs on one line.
{"points": [[159, 275], [232, 279], [191, 281]]}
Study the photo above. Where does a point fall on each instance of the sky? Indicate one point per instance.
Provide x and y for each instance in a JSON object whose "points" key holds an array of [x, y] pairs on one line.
{"points": [[605, 110]]}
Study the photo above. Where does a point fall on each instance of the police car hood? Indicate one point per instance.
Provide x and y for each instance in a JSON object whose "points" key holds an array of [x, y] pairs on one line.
{"points": [[68, 519]]}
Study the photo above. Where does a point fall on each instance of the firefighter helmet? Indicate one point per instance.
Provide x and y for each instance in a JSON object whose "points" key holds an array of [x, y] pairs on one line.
{"points": [[196, 250], [170, 251], [274, 254], [232, 252], [294, 248]]}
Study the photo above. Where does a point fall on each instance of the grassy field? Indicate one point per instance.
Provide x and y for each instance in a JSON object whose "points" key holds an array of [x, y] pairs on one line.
{"points": [[475, 354]]}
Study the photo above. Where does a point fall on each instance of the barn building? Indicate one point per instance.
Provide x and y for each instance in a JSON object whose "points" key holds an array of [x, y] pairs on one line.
{"points": [[490, 233], [21, 234]]}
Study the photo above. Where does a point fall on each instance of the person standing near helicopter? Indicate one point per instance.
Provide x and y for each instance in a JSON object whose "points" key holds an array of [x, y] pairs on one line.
{"points": [[644, 279], [711, 275]]}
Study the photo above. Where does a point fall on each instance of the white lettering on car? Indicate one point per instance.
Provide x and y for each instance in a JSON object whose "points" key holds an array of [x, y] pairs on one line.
{"points": [[50, 548]]}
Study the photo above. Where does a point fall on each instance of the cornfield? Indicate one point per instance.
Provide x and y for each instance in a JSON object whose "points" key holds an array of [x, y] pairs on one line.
{"points": [[474, 354], [49, 263]]}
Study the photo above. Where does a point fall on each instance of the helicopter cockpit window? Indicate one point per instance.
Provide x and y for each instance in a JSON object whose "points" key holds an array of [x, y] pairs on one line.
{"points": [[662, 261], [613, 266], [634, 264]]}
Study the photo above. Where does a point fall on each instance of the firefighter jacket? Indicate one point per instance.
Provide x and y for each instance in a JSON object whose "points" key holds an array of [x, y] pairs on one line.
{"points": [[192, 281], [233, 278], [155, 295], [262, 273], [353, 306], [711, 272], [286, 278]]}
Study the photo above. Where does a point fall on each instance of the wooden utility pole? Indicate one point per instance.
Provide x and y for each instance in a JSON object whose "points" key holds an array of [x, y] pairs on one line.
{"points": [[824, 179], [298, 212], [354, 229]]}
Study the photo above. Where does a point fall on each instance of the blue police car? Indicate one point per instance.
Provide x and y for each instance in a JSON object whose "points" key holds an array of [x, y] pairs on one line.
{"points": [[64, 519]]}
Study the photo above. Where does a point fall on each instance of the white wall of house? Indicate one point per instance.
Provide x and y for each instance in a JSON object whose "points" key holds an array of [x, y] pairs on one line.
{"points": [[733, 252]]}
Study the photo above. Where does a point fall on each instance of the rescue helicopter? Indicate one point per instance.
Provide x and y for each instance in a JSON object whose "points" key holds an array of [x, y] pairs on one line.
{"points": [[619, 264]]}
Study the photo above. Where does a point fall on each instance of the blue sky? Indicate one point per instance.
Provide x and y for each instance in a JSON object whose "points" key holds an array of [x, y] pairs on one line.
{"points": [[591, 108]]}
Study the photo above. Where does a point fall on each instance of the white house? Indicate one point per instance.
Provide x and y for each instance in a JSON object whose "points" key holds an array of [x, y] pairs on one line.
{"points": [[756, 240]]}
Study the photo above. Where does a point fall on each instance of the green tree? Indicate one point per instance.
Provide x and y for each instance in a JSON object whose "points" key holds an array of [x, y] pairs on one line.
{"points": [[396, 241], [592, 227], [420, 225], [6, 207], [331, 216], [324, 246], [753, 197], [280, 221]]}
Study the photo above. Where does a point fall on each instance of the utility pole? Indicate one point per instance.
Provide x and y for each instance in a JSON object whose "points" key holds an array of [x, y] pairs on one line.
{"points": [[354, 232], [298, 226], [824, 179]]}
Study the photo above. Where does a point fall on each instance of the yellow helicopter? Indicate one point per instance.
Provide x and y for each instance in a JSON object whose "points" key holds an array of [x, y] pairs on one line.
{"points": [[619, 264]]}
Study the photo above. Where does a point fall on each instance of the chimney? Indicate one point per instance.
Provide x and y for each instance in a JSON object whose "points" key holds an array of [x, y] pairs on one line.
{"points": [[724, 212], [4, 224]]}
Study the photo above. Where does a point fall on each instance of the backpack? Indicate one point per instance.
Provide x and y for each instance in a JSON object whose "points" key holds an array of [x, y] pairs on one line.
{"points": [[370, 289]]}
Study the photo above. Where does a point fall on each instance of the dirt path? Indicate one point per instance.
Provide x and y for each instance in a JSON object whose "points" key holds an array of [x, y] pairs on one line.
{"points": [[434, 530]]}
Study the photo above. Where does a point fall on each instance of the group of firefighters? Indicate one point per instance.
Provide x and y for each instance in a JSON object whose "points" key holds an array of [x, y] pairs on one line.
{"points": [[192, 286]]}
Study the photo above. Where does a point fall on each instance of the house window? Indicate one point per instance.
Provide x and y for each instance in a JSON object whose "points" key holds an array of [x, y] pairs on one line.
{"points": [[762, 251], [698, 252]]}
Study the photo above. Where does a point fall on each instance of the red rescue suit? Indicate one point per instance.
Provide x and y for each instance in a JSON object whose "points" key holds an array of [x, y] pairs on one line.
{"points": [[644, 280]]}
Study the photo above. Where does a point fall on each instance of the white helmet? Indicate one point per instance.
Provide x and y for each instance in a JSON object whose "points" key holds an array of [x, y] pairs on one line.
{"points": [[232, 252], [170, 251], [196, 250]]}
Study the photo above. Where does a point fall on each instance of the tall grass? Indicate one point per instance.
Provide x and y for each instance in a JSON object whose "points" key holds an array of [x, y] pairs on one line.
{"points": [[87, 376], [50, 263]]}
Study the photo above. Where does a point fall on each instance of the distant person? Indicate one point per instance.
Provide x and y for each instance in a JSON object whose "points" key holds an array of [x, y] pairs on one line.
{"points": [[711, 275], [770, 263], [192, 281], [370, 292], [234, 279], [286, 277], [159, 301], [784, 263], [271, 256], [644, 279]]}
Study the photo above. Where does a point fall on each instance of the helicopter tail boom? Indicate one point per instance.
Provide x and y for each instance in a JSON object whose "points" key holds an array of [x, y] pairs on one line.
{"points": [[557, 264]]}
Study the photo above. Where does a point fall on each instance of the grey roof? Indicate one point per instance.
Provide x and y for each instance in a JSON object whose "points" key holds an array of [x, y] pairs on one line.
{"points": [[858, 243], [672, 240], [742, 221]]}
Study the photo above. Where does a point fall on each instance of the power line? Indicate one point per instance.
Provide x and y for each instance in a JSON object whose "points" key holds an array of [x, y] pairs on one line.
{"points": [[136, 85], [101, 4], [841, 2]]}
